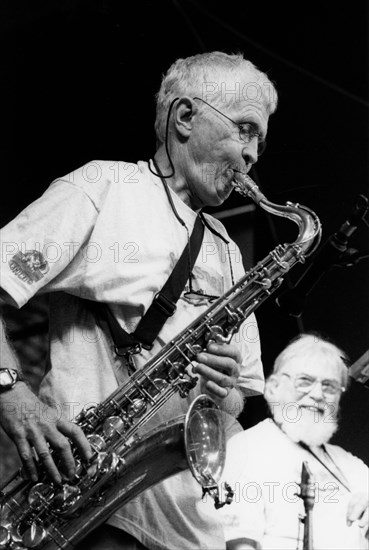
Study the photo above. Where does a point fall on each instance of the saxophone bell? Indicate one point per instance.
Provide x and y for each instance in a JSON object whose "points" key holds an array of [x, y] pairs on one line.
{"points": [[205, 446]]}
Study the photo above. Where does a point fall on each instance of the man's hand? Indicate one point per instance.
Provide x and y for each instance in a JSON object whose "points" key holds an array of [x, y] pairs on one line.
{"points": [[358, 510], [36, 427], [219, 368]]}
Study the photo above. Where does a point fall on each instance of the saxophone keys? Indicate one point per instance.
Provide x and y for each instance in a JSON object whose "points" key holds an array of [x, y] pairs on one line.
{"points": [[174, 370], [137, 406], [194, 349], [80, 469], [216, 334], [15, 536], [235, 316], [115, 462], [160, 384], [109, 462], [39, 494], [284, 266], [66, 497], [113, 425], [89, 416], [102, 462], [96, 441], [34, 536], [5, 537], [185, 386], [266, 283]]}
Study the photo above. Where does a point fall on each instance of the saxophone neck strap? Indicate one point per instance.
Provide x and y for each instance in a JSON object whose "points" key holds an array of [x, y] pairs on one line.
{"points": [[163, 305]]}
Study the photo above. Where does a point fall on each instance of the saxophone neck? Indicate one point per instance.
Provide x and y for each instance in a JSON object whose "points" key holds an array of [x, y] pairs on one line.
{"points": [[246, 186], [308, 222]]}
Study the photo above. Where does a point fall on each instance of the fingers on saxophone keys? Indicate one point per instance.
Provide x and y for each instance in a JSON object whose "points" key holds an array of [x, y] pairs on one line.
{"points": [[54, 455], [75, 434], [45, 458], [28, 460], [224, 366], [225, 350], [214, 382], [63, 451], [32, 459]]}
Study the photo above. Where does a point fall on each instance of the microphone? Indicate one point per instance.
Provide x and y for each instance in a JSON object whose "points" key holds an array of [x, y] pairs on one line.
{"points": [[292, 301], [360, 369]]}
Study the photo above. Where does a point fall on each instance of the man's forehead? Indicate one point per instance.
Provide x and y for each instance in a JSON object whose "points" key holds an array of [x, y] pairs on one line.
{"points": [[313, 366]]}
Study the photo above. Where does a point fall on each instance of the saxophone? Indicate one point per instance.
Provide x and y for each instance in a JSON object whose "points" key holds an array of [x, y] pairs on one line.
{"points": [[42, 515]]}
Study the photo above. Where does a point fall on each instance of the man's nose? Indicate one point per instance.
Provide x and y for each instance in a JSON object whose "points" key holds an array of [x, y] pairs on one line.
{"points": [[316, 391], [250, 151]]}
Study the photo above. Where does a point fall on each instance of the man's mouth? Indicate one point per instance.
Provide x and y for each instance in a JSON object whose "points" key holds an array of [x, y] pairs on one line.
{"points": [[230, 181], [241, 180], [313, 408], [237, 176]]}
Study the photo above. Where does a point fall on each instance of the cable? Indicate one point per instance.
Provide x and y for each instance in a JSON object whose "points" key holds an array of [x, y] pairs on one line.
{"points": [[279, 57], [190, 25]]}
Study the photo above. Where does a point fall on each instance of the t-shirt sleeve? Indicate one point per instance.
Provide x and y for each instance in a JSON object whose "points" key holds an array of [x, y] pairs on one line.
{"points": [[44, 238]]}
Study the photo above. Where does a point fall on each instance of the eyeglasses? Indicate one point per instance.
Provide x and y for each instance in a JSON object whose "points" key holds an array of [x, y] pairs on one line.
{"points": [[198, 297], [304, 384], [246, 130]]}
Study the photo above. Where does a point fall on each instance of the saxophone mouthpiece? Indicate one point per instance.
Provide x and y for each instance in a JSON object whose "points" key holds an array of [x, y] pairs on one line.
{"points": [[246, 186]]}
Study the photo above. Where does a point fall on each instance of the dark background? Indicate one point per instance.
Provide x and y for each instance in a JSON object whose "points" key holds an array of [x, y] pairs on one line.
{"points": [[79, 79]]}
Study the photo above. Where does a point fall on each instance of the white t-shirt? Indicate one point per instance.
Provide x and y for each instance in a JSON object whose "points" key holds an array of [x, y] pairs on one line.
{"points": [[264, 467], [106, 232]]}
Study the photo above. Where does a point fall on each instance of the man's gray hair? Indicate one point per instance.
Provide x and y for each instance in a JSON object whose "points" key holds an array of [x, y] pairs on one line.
{"points": [[314, 347], [207, 76]]}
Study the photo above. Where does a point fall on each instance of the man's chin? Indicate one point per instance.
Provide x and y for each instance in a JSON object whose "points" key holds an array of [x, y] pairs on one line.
{"points": [[223, 194], [312, 428]]}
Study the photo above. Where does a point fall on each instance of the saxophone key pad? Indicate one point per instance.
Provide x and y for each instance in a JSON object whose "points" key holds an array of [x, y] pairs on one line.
{"points": [[175, 370], [107, 462], [96, 441], [15, 534], [114, 425], [103, 462], [160, 384], [39, 495], [115, 462], [194, 349], [34, 536], [4, 536], [138, 405], [66, 497]]}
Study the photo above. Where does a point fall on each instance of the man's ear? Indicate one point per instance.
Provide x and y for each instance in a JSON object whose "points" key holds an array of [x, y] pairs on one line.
{"points": [[271, 387], [183, 112]]}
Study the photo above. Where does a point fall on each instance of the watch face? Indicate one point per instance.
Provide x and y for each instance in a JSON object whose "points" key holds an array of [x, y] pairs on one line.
{"points": [[6, 379]]}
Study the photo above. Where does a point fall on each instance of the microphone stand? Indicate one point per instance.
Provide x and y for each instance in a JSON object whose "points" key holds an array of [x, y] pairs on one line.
{"points": [[334, 251]]}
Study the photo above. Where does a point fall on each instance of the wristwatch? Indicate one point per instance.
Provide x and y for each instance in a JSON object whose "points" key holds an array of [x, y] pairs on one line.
{"points": [[8, 379]]}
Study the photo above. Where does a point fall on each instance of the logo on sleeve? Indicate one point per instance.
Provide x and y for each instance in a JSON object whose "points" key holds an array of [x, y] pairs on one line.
{"points": [[30, 266]]}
